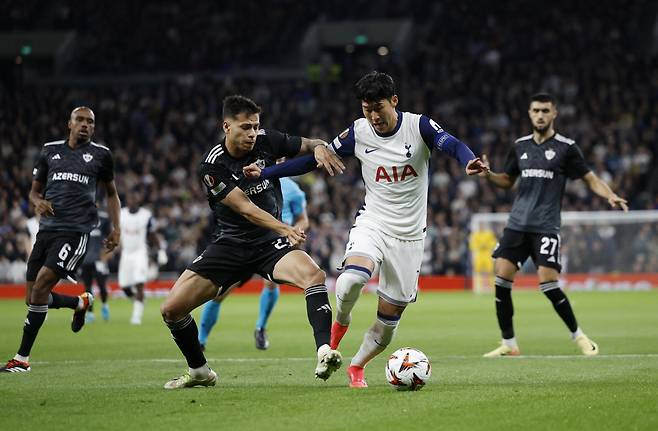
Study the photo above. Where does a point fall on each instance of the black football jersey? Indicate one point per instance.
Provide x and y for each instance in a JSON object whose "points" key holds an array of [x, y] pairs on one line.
{"points": [[70, 176], [220, 174], [542, 171]]}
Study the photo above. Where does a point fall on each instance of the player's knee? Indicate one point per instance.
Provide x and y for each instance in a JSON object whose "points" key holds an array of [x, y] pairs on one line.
{"points": [[170, 312], [164, 311], [40, 293], [46, 279], [505, 268], [42, 288], [313, 276], [351, 280]]}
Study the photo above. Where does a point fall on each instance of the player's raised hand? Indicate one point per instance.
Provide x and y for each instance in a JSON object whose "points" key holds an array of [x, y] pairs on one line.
{"points": [[44, 208], [251, 171], [618, 202], [476, 166], [112, 240], [295, 235], [328, 160], [485, 161]]}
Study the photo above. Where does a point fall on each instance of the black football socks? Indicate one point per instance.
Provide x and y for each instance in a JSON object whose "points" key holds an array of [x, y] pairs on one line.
{"points": [[36, 314], [55, 300], [186, 336], [560, 303], [504, 307], [318, 311]]}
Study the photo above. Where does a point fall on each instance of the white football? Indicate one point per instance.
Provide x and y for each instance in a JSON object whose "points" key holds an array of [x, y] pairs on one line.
{"points": [[408, 369]]}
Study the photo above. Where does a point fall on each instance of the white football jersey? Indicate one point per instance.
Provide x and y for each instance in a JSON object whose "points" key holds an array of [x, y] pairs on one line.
{"points": [[395, 173], [395, 168], [134, 230]]}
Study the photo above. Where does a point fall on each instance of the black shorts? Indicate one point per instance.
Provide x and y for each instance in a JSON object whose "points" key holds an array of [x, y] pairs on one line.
{"points": [[63, 252], [516, 246], [226, 264]]}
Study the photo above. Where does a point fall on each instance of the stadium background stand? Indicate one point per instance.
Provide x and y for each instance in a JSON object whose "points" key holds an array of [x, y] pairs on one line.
{"points": [[156, 89]]}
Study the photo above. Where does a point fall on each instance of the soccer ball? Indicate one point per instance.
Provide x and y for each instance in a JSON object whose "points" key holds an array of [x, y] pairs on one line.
{"points": [[408, 369]]}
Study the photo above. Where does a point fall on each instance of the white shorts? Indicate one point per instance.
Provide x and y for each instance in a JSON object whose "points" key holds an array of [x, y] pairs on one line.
{"points": [[399, 262], [133, 268]]}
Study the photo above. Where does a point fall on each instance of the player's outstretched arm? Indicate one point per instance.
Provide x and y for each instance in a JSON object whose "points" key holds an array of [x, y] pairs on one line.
{"points": [[297, 166], [502, 180], [435, 137], [241, 204], [324, 157], [602, 189], [114, 210], [289, 168]]}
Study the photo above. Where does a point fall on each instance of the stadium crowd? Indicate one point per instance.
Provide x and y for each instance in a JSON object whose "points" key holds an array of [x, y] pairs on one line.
{"points": [[472, 73]]}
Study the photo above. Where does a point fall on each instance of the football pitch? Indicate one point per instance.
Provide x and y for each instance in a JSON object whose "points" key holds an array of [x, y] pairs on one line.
{"points": [[110, 375]]}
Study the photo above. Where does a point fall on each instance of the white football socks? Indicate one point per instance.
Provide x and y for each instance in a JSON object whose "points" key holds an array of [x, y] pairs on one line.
{"points": [[21, 358], [201, 372], [374, 342], [138, 312]]}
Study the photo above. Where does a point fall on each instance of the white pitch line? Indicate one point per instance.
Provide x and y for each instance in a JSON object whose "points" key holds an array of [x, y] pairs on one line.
{"points": [[309, 359], [574, 356], [173, 360], [238, 360]]}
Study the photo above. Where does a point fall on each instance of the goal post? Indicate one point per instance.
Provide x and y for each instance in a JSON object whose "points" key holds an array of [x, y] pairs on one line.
{"points": [[600, 250]]}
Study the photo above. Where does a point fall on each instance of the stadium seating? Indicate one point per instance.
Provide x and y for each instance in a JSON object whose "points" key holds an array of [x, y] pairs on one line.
{"points": [[158, 127]]}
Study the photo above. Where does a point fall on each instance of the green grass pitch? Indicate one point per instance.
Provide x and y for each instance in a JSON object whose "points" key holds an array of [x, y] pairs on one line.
{"points": [[110, 375]]}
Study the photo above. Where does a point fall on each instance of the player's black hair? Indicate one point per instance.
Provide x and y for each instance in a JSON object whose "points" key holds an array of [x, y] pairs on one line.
{"points": [[374, 86], [543, 98], [234, 105]]}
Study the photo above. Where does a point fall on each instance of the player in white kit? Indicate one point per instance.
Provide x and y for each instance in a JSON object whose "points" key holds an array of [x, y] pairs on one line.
{"points": [[137, 231], [394, 150]]}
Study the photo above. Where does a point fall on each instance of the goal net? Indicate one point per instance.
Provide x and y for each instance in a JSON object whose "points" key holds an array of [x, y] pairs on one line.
{"points": [[600, 250]]}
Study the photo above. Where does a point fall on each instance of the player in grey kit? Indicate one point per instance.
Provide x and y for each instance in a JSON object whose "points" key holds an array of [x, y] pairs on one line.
{"points": [[543, 161], [64, 195]]}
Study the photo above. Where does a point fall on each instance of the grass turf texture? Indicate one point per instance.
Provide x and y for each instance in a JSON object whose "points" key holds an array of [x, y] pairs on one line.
{"points": [[110, 375]]}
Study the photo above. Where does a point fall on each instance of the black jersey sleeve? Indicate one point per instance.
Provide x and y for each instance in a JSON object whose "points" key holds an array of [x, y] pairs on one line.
{"points": [[575, 165], [283, 145], [106, 172], [217, 180], [40, 172], [512, 163]]}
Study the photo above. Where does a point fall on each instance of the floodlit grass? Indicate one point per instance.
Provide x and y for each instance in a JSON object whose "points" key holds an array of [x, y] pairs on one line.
{"points": [[110, 375]]}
